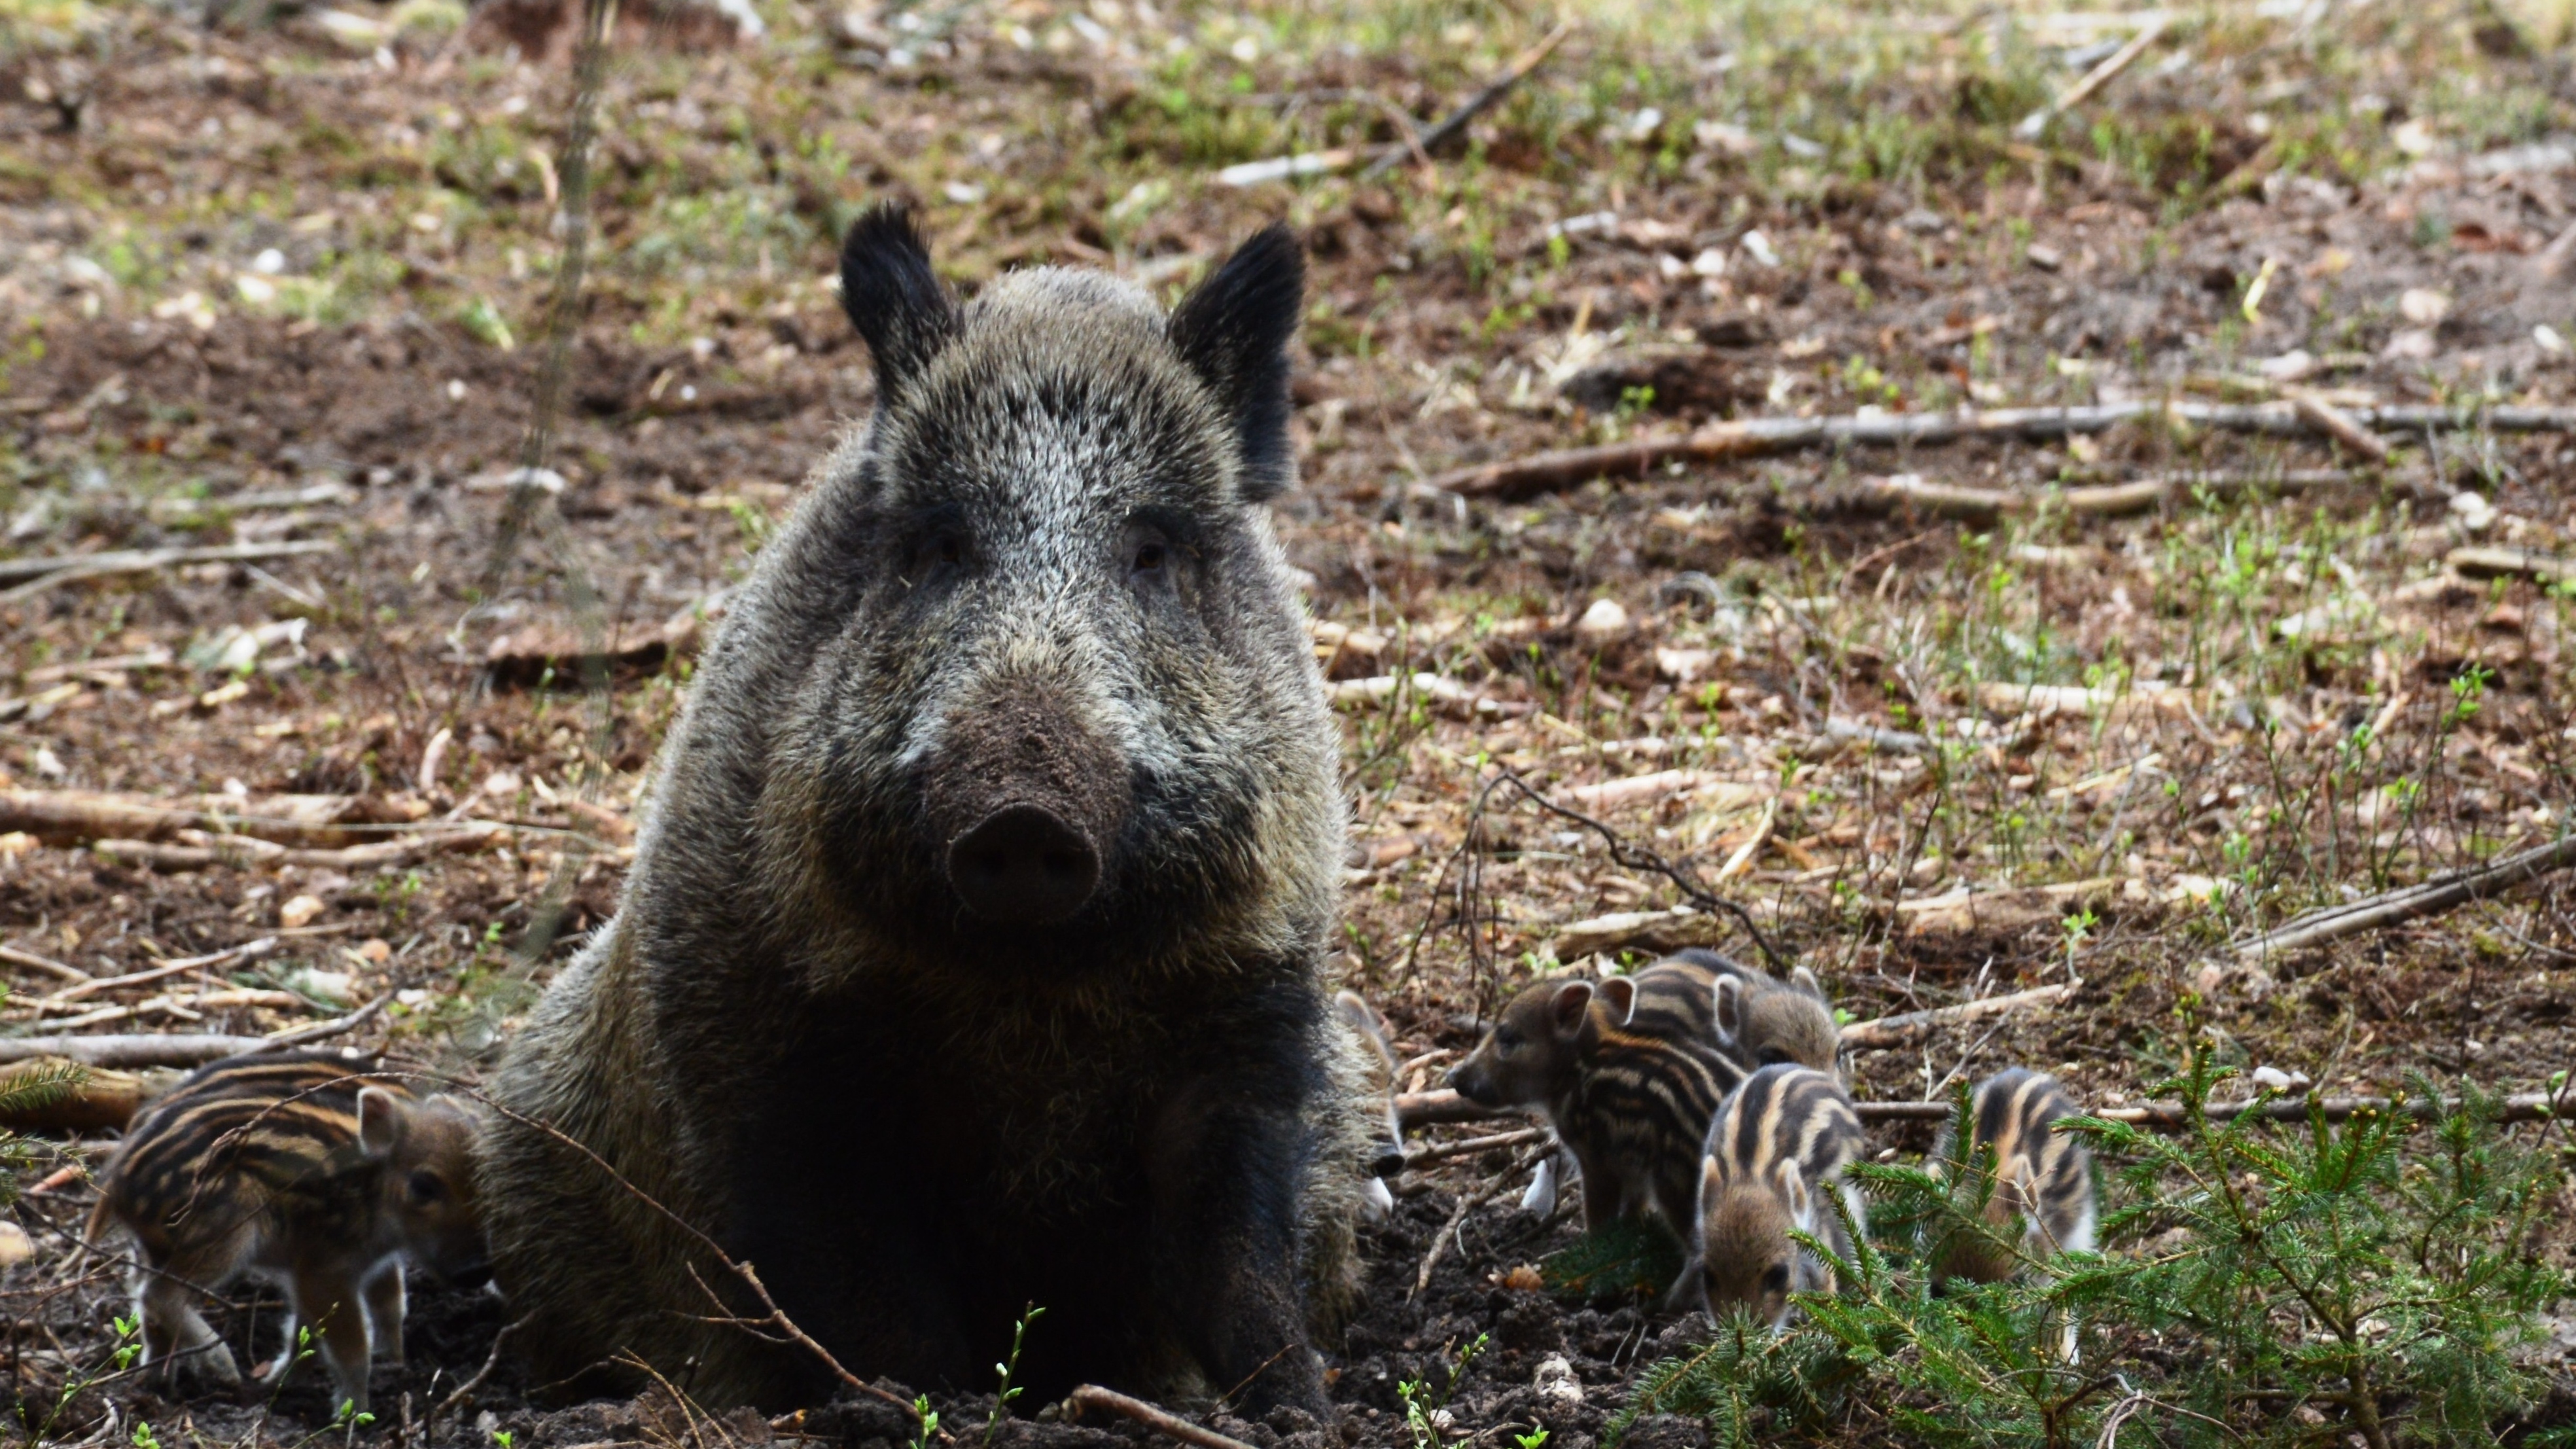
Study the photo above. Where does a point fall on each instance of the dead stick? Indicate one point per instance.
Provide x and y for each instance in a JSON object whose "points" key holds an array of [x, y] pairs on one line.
{"points": [[466, 1389], [1444, 1151], [1493, 1187], [2520, 1107], [1456, 121], [17, 957], [1170, 1426], [321, 1029], [2109, 500], [95, 985], [2438, 894], [2034, 125], [245, 851], [1888, 1031], [1758, 437], [13, 570], [146, 1049], [2326, 418], [2511, 563]]}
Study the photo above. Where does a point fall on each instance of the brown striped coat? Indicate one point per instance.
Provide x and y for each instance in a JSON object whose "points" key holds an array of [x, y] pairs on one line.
{"points": [[1631, 1108], [1779, 1145], [303, 1171], [1758, 1019], [2042, 1177]]}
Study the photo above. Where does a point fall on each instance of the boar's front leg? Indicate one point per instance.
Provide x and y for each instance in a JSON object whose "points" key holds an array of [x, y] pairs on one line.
{"points": [[1226, 1169]]}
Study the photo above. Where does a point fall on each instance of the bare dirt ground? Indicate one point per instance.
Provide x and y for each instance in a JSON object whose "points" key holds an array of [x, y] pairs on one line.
{"points": [[282, 278]]}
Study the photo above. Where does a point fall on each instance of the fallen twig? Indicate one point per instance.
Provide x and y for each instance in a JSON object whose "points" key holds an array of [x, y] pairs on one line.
{"points": [[1170, 1426], [1888, 1031], [2390, 907], [320, 1030], [43, 573], [1758, 437], [1476, 105], [2102, 500], [1637, 857], [1473, 1146], [2520, 1107], [243, 850], [466, 1389], [97, 984], [2035, 125], [2330, 420], [2511, 563], [1493, 1187], [16, 957], [145, 1049], [70, 817]]}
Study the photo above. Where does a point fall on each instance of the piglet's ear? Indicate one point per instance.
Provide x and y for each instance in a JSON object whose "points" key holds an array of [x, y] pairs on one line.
{"points": [[1730, 1007], [1793, 1186], [1233, 331], [893, 297], [380, 1121], [1567, 1008], [1619, 993]]}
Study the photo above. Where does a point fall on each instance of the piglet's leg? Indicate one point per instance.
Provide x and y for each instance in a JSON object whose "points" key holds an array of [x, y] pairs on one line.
{"points": [[327, 1299], [178, 1338], [385, 1308], [1225, 1168]]}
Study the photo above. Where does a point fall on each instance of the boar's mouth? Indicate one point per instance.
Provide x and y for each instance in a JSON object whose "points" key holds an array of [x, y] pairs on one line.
{"points": [[1028, 803]]}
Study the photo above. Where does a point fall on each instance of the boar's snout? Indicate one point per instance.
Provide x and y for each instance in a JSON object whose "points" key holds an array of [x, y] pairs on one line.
{"points": [[1024, 865], [1030, 802]]}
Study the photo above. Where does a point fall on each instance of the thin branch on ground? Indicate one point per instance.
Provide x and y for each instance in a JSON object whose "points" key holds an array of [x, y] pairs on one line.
{"points": [[2391, 907], [1539, 473], [1169, 1425]]}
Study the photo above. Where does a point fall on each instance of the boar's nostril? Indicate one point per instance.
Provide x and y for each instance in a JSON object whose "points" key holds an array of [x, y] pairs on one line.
{"points": [[1023, 866]]}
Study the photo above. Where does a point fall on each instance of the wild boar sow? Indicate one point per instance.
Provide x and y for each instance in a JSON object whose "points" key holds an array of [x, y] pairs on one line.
{"points": [[971, 956]]}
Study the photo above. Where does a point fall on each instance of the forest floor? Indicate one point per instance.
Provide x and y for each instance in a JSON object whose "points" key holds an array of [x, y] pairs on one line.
{"points": [[281, 278]]}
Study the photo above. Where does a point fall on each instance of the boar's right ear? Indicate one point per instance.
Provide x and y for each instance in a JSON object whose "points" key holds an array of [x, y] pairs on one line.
{"points": [[893, 297], [1233, 331], [380, 1121]]}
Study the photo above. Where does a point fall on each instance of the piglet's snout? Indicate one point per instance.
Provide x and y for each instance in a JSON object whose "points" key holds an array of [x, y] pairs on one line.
{"points": [[1030, 802]]}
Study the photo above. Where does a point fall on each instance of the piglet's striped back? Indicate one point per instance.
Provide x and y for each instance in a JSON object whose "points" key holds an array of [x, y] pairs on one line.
{"points": [[1785, 1113]]}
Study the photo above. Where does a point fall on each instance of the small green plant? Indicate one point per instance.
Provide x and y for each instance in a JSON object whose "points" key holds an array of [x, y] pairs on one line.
{"points": [[1531, 1440], [143, 1437], [1426, 1414], [921, 1410], [1008, 1367]]}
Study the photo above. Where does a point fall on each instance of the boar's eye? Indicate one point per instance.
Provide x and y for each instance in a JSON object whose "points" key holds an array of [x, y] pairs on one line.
{"points": [[1776, 1278], [944, 549], [1507, 1039], [1149, 557], [1774, 1057], [425, 1188]]}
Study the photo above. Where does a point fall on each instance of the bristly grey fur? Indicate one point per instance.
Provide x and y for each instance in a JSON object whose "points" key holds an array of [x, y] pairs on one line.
{"points": [[790, 972]]}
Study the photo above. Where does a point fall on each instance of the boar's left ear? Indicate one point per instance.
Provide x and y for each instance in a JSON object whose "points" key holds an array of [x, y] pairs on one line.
{"points": [[1233, 331]]}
